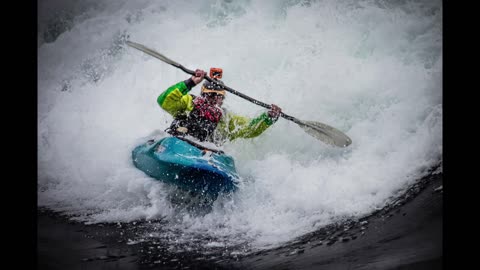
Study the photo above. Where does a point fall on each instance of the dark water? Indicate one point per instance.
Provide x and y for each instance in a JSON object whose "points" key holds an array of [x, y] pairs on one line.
{"points": [[406, 234]]}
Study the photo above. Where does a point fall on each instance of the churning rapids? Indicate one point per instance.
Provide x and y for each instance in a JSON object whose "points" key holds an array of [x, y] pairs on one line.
{"points": [[372, 69]]}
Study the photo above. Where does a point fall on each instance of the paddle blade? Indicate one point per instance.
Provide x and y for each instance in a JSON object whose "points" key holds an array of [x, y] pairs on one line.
{"points": [[152, 53], [325, 133]]}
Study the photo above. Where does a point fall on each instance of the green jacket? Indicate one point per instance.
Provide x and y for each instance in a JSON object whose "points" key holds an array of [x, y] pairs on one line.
{"points": [[176, 100]]}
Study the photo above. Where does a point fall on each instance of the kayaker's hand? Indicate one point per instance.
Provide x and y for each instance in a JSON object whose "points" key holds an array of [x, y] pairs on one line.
{"points": [[199, 75], [274, 112]]}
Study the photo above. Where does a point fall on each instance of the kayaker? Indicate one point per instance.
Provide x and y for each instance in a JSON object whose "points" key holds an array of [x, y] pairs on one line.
{"points": [[203, 118]]}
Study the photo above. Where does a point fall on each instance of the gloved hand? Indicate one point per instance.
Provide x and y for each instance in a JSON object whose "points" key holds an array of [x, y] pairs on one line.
{"points": [[274, 112], [199, 75]]}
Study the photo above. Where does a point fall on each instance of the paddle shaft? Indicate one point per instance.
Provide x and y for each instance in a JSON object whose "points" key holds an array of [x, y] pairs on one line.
{"points": [[235, 92]]}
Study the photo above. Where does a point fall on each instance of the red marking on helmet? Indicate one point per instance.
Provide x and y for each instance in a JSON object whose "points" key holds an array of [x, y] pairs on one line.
{"points": [[216, 73]]}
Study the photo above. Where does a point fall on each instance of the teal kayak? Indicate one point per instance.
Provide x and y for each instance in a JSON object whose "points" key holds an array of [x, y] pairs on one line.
{"points": [[186, 165]]}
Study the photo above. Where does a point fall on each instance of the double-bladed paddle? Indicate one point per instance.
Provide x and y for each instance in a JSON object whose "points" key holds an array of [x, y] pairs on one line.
{"points": [[323, 132]]}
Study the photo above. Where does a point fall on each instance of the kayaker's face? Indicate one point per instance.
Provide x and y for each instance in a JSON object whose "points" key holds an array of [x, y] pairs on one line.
{"points": [[215, 99]]}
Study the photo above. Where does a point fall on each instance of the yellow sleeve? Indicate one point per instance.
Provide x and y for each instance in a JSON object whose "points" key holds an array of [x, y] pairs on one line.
{"points": [[235, 126], [176, 99]]}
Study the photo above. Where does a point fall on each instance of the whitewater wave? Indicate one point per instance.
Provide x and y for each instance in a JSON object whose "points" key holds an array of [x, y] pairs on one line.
{"points": [[372, 69]]}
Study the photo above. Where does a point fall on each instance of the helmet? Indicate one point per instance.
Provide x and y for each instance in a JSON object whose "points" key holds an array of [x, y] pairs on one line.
{"points": [[212, 87]]}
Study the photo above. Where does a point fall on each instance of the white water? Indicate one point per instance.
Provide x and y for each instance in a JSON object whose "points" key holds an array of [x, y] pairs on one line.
{"points": [[372, 69]]}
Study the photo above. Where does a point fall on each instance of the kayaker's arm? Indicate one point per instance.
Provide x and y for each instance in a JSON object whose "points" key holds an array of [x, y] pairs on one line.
{"points": [[176, 99], [242, 127]]}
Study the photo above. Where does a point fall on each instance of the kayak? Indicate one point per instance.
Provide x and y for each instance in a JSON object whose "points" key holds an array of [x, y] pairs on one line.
{"points": [[187, 165]]}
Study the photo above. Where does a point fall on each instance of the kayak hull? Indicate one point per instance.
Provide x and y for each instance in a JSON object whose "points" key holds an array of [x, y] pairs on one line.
{"points": [[177, 162]]}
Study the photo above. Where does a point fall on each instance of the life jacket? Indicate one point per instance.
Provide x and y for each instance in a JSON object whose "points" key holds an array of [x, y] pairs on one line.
{"points": [[200, 123]]}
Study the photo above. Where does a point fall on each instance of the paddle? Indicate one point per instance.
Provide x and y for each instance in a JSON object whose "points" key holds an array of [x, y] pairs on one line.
{"points": [[323, 132]]}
